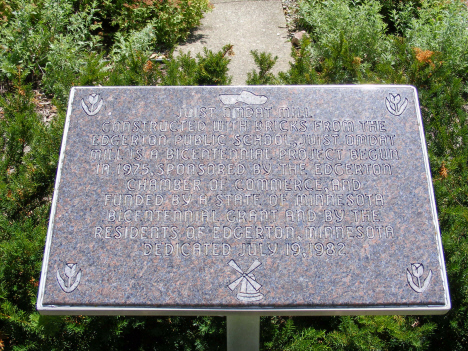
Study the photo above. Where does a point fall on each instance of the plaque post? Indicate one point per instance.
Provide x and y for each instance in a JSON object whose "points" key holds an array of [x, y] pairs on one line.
{"points": [[243, 332]]}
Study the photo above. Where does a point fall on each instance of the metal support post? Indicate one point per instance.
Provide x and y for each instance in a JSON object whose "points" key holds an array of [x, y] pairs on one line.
{"points": [[243, 333]]}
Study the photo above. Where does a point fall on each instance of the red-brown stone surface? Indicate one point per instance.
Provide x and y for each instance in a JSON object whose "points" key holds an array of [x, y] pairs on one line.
{"points": [[228, 198]]}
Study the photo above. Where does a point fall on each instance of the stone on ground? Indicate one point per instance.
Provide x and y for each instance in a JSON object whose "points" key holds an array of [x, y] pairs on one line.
{"points": [[247, 25]]}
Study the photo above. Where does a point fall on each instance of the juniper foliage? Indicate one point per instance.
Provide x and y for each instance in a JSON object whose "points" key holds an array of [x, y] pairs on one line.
{"points": [[47, 46], [265, 62], [421, 43]]}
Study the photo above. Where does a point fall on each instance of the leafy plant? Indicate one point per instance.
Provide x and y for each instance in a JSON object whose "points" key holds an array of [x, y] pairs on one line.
{"points": [[442, 27], [208, 69], [351, 34], [265, 62], [426, 47], [47, 46], [169, 20]]}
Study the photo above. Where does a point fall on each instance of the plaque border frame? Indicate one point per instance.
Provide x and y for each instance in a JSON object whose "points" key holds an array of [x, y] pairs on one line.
{"points": [[254, 311]]}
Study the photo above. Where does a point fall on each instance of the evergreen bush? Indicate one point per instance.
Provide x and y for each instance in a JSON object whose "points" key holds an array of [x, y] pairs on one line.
{"points": [[421, 43], [169, 20], [208, 69], [265, 62], [47, 46]]}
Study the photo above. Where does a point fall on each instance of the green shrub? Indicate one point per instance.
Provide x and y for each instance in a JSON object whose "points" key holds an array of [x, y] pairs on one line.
{"points": [[28, 160], [52, 45], [426, 47], [265, 62], [38, 32], [302, 69], [397, 14], [169, 20], [29, 155], [208, 69], [52, 41], [48, 46], [5, 11], [348, 38], [442, 27]]}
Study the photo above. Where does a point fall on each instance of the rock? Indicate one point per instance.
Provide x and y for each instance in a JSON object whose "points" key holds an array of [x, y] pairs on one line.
{"points": [[298, 37]]}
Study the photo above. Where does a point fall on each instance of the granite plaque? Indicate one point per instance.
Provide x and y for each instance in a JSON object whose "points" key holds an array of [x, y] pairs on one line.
{"points": [[299, 200]]}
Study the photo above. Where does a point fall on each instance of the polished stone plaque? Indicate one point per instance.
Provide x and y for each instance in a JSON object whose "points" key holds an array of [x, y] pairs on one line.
{"points": [[298, 200]]}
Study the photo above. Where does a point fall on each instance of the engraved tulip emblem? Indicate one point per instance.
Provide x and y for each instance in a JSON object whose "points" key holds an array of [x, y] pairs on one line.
{"points": [[394, 104], [93, 106], [72, 279], [415, 279]]}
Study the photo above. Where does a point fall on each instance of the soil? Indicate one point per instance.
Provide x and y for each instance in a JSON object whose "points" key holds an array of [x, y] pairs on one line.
{"points": [[291, 13]]}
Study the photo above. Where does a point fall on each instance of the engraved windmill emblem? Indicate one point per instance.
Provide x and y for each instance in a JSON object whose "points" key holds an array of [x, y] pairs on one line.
{"points": [[248, 285], [72, 278], [94, 104]]}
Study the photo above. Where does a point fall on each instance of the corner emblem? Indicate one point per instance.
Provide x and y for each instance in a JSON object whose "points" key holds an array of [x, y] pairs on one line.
{"points": [[70, 273], [394, 104], [249, 287], [419, 285], [246, 97], [93, 99]]}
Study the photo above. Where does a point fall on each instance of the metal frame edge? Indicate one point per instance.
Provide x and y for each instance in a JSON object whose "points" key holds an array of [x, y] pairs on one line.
{"points": [[45, 261], [100, 310], [430, 189]]}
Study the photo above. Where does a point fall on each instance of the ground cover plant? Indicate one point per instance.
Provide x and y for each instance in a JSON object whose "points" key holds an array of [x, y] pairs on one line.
{"points": [[48, 46]]}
